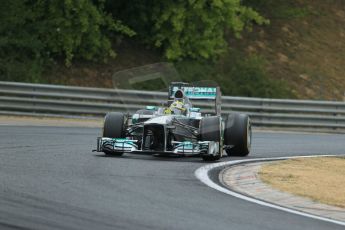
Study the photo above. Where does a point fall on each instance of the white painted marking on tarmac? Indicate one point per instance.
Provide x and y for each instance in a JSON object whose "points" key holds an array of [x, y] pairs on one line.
{"points": [[202, 175]]}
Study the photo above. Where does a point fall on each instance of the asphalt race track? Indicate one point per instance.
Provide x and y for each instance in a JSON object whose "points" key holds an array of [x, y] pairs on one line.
{"points": [[50, 179]]}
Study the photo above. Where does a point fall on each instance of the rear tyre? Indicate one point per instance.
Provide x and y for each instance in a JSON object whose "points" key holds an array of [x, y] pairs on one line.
{"points": [[114, 127], [210, 130], [238, 134]]}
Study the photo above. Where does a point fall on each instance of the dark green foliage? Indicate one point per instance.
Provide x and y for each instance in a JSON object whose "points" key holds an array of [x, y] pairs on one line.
{"points": [[78, 28], [280, 9], [248, 77], [156, 84], [193, 71], [186, 28], [192, 33], [20, 48], [34, 33], [237, 75]]}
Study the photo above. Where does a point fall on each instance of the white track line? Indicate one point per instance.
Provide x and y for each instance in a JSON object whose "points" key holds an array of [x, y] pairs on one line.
{"points": [[202, 175]]}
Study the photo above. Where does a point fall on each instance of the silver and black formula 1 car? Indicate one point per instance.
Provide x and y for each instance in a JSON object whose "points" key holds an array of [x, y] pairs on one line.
{"points": [[178, 129]]}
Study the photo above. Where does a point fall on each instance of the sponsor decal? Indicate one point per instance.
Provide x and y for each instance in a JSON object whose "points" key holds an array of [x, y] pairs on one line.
{"points": [[197, 92]]}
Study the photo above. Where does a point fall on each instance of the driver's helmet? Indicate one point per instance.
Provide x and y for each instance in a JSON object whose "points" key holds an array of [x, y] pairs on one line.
{"points": [[177, 107]]}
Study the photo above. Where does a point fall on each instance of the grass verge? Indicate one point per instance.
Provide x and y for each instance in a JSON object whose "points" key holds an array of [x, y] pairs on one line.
{"points": [[321, 179]]}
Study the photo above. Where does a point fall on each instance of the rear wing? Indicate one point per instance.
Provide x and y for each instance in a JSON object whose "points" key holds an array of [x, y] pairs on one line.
{"points": [[209, 93]]}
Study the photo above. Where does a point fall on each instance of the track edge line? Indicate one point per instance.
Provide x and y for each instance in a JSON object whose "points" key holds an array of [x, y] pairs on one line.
{"points": [[202, 174]]}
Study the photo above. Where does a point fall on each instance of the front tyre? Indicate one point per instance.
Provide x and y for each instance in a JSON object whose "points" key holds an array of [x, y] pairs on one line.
{"points": [[210, 130], [114, 127], [238, 134]]}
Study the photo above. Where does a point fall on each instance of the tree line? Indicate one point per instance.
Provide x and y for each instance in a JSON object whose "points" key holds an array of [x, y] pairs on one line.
{"points": [[36, 32]]}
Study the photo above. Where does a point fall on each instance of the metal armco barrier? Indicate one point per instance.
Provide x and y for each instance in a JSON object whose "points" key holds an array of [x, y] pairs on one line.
{"points": [[26, 99]]}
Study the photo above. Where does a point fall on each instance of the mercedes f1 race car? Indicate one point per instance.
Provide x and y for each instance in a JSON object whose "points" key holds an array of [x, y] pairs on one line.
{"points": [[178, 129]]}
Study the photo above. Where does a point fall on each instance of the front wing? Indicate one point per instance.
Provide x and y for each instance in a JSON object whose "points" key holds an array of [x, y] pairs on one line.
{"points": [[185, 148]]}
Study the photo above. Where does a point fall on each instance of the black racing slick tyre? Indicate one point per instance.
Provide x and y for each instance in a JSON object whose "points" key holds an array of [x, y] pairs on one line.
{"points": [[210, 130], [238, 134], [114, 127]]}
